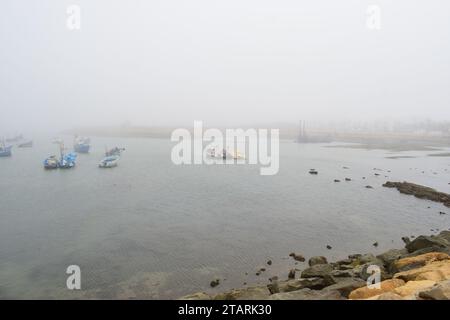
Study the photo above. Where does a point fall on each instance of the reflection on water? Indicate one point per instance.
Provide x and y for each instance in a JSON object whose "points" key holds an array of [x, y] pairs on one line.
{"points": [[150, 229]]}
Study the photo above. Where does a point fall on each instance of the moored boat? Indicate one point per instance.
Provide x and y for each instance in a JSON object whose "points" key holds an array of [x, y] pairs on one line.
{"points": [[67, 161], [5, 151], [114, 152], [109, 162], [82, 145], [26, 144], [51, 162]]}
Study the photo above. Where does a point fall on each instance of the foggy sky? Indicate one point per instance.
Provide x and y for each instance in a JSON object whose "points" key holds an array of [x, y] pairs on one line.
{"points": [[229, 61]]}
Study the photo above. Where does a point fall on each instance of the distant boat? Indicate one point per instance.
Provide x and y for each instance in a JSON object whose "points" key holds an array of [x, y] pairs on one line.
{"points": [[5, 151], [57, 140], [15, 138], [51, 162], [109, 162], [26, 144], [114, 152], [82, 145], [218, 153]]}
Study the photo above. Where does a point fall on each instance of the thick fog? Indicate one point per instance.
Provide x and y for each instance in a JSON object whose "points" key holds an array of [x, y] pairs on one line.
{"points": [[229, 61]]}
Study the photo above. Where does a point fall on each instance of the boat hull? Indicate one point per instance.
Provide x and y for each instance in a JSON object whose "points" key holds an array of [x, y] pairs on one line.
{"points": [[82, 148], [27, 144], [5, 151]]}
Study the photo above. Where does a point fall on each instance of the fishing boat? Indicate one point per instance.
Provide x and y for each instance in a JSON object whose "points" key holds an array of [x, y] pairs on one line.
{"points": [[26, 144], [15, 138], [82, 145], [5, 151], [109, 162], [67, 161], [114, 152], [51, 162]]}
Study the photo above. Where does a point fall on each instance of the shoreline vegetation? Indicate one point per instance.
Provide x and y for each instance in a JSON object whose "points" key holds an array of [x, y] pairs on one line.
{"points": [[419, 271]]}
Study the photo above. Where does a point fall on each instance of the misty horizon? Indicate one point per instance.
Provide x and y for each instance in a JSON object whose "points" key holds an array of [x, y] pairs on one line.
{"points": [[225, 63]]}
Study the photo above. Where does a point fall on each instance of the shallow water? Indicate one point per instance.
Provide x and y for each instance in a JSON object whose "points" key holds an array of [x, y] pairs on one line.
{"points": [[150, 229]]}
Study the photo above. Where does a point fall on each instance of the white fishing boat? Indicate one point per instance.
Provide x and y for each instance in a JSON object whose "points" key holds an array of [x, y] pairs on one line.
{"points": [[109, 162]]}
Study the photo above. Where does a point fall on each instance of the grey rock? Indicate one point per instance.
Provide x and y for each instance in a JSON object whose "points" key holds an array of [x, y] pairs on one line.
{"points": [[250, 293], [390, 256], [291, 274], [342, 273], [317, 260], [318, 270], [347, 285], [297, 284], [445, 235], [423, 242], [440, 291]]}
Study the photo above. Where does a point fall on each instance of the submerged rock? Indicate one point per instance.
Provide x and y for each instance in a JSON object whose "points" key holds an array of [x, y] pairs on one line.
{"points": [[419, 191]]}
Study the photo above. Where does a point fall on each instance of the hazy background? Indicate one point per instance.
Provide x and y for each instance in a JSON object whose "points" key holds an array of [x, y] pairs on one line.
{"points": [[235, 61]]}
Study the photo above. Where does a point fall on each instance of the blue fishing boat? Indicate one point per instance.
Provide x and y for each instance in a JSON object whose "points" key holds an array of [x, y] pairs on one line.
{"points": [[67, 161], [81, 145], [5, 151]]}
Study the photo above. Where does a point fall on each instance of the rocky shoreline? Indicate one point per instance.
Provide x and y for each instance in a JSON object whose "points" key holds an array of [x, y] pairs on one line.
{"points": [[419, 271]]}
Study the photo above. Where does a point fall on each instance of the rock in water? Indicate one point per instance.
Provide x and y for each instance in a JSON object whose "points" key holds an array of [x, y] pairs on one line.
{"points": [[291, 274], [406, 240], [317, 260], [422, 242], [297, 257], [269, 262], [329, 247], [214, 283]]}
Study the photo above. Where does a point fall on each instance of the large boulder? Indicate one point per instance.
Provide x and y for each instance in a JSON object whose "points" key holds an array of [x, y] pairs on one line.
{"points": [[390, 256], [317, 260], [445, 235], [422, 242], [434, 271], [318, 270], [297, 284], [346, 285], [412, 288], [440, 291], [251, 293], [308, 294], [367, 292], [387, 296], [409, 263]]}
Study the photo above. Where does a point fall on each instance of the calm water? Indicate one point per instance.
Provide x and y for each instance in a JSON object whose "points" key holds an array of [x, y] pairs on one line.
{"points": [[150, 229]]}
